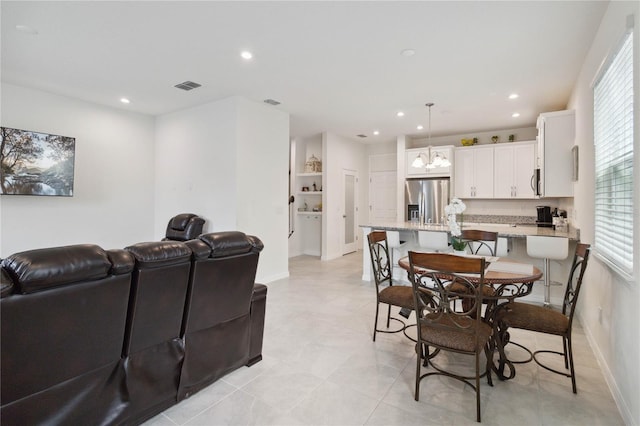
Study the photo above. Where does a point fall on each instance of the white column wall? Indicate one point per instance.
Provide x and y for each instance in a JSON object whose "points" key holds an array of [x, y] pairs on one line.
{"points": [[112, 203], [338, 154], [608, 305], [262, 165], [227, 161], [196, 170]]}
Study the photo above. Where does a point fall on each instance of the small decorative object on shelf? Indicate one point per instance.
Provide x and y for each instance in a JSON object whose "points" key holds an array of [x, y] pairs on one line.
{"points": [[305, 189], [466, 142], [314, 187], [475, 141], [313, 165], [494, 139], [456, 206], [512, 138]]}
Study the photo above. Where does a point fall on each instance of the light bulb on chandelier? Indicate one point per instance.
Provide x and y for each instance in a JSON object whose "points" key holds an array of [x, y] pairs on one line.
{"points": [[430, 161]]}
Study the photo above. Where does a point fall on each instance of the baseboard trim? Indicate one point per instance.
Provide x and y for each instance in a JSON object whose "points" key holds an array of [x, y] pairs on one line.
{"points": [[624, 410]]}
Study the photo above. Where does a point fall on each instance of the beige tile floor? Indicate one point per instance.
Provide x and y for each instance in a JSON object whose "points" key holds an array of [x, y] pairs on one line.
{"points": [[321, 367]]}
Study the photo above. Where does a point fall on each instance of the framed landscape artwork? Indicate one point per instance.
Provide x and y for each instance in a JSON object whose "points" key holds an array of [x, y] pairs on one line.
{"points": [[33, 163]]}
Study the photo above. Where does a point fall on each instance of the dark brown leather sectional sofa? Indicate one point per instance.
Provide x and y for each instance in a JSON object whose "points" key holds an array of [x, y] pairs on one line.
{"points": [[93, 336]]}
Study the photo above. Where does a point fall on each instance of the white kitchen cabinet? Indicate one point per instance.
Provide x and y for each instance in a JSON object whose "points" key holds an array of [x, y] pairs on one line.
{"points": [[556, 134], [473, 172], [513, 172], [417, 172]]}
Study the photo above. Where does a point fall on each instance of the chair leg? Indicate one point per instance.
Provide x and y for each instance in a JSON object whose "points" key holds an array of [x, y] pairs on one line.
{"points": [[478, 386], [489, 355], [565, 345], [573, 372], [375, 322], [416, 394], [388, 316]]}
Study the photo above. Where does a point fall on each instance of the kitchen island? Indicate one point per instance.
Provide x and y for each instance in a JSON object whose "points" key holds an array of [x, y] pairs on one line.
{"points": [[515, 233]]}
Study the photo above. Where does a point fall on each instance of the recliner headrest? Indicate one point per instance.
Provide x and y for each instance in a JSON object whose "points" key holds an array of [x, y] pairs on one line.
{"points": [[180, 222], [230, 243], [160, 253], [40, 269]]}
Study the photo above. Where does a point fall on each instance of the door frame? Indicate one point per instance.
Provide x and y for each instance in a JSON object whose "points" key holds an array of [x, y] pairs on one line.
{"points": [[353, 246]]}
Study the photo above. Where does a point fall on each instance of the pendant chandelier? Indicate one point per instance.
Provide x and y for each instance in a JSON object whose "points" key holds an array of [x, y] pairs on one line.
{"points": [[429, 160]]}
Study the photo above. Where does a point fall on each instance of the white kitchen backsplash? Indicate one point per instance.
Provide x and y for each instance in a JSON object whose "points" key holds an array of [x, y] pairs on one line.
{"points": [[516, 208]]}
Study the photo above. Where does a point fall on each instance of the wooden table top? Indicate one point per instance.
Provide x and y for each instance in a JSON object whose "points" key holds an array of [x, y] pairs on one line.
{"points": [[502, 271]]}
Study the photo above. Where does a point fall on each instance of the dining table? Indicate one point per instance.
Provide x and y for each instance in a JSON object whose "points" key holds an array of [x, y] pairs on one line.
{"points": [[509, 280]]}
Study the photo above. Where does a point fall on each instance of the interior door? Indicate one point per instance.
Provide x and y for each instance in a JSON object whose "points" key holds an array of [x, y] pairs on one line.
{"points": [[350, 212], [382, 194]]}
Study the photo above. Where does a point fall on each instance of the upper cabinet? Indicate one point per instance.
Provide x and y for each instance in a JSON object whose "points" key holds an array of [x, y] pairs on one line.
{"points": [[428, 154], [556, 134], [474, 172], [514, 170]]}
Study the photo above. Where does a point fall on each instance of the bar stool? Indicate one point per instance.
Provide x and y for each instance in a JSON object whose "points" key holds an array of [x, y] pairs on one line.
{"points": [[394, 244], [433, 241], [542, 247]]}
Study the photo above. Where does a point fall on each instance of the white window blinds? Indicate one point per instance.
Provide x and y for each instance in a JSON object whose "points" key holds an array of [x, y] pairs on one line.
{"points": [[613, 138]]}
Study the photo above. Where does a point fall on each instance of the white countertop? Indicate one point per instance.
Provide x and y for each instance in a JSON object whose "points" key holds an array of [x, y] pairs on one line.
{"points": [[505, 230]]}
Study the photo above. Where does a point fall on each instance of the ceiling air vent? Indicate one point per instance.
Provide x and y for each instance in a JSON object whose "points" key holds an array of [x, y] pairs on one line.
{"points": [[187, 85], [361, 136], [271, 102]]}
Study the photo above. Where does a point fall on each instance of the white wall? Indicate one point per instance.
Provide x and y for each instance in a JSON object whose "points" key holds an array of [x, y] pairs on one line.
{"points": [[263, 164], [339, 154], [614, 333], [112, 203], [227, 161], [195, 163]]}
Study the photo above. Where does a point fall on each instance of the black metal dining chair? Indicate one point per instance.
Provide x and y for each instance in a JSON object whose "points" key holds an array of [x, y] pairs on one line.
{"points": [[440, 326], [386, 292], [549, 321]]}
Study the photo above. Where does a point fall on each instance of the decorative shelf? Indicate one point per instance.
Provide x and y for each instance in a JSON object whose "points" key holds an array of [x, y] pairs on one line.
{"points": [[309, 192], [309, 213], [309, 174]]}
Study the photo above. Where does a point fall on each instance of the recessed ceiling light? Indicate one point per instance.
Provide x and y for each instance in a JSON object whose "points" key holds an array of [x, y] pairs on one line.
{"points": [[513, 96], [419, 127], [26, 29], [515, 114], [246, 54], [400, 114], [408, 52], [375, 132], [125, 101]]}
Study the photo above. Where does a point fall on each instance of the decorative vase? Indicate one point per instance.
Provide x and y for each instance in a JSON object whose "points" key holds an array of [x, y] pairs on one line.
{"points": [[459, 252]]}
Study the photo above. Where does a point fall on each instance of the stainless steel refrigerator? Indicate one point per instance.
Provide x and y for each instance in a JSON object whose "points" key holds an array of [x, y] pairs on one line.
{"points": [[425, 200]]}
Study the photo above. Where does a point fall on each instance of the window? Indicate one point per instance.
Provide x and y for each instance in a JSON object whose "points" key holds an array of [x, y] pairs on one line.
{"points": [[613, 139]]}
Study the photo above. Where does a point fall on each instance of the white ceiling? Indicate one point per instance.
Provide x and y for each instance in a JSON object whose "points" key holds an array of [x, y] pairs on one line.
{"points": [[334, 66]]}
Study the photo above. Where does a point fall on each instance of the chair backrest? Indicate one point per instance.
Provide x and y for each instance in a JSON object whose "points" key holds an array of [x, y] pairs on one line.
{"points": [[184, 227], [546, 247], [431, 274], [380, 260], [481, 242], [579, 265], [433, 240]]}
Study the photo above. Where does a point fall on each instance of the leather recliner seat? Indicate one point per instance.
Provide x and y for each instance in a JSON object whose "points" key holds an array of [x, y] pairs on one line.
{"points": [[115, 337], [225, 309], [63, 313]]}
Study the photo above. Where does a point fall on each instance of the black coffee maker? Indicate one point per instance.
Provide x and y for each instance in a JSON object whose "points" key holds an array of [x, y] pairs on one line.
{"points": [[544, 217]]}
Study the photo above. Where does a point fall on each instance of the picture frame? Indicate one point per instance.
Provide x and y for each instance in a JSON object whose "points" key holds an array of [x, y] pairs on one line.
{"points": [[35, 163]]}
